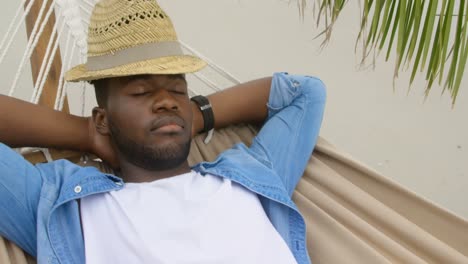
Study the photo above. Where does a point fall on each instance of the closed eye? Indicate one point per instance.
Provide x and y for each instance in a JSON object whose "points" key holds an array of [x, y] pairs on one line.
{"points": [[179, 92], [140, 94]]}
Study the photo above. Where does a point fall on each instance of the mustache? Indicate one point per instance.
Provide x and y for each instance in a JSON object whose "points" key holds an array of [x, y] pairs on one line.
{"points": [[167, 120]]}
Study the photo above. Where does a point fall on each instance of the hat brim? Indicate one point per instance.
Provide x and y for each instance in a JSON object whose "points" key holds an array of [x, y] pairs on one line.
{"points": [[164, 65]]}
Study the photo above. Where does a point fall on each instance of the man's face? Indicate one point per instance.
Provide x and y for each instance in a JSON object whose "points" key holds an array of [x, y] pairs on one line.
{"points": [[150, 119]]}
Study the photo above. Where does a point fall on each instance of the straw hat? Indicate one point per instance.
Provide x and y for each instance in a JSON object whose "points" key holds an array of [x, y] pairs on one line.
{"points": [[129, 37]]}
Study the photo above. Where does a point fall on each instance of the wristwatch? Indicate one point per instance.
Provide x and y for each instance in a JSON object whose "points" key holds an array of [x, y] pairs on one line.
{"points": [[207, 113]]}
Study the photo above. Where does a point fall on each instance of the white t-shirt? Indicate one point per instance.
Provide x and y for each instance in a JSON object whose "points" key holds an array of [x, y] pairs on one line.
{"points": [[187, 218]]}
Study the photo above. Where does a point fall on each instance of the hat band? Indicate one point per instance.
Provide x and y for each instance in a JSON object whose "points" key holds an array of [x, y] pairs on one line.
{"points": [[134, 54]]}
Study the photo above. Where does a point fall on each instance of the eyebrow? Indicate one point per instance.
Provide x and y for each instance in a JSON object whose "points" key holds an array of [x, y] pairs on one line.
{"points": [[131, 78], [180, 76]]}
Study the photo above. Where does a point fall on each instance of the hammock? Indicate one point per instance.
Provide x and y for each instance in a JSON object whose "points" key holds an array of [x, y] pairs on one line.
{"points": [[353, 214]]}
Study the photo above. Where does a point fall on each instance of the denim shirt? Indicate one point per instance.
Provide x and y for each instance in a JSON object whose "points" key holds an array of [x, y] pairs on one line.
{"points": [[39, 203]]}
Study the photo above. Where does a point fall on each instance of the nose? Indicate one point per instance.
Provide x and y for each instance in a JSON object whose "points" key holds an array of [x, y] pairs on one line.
{"points": [[164, 101]]}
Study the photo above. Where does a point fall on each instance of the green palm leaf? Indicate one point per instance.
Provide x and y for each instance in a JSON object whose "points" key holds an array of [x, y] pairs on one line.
{"points": [[425, 35]]}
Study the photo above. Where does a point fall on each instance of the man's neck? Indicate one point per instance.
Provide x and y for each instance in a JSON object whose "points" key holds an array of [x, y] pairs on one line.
{"points": [[131, 173]]}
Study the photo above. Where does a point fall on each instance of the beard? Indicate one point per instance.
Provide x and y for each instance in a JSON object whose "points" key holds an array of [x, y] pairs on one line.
{"points": [[157, 158]]}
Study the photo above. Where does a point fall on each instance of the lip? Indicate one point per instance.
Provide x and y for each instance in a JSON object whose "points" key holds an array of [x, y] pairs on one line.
{"points": [[167, 124]]}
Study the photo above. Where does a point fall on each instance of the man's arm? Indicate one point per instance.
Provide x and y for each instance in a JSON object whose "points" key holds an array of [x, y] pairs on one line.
{"points": [[243, 103], [293, 108], [25, 124], [295, 111]]}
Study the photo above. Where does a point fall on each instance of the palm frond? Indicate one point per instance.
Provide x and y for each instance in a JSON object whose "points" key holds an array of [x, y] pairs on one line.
{"points": [[425, 35]]}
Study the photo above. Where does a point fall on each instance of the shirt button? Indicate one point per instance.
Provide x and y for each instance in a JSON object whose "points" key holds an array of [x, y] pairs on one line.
{"points": [[77, 189]]}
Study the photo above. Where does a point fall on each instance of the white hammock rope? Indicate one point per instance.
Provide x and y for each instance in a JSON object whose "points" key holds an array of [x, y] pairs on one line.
{"points": [[42, 71], [49, 64], [84, 9], [12, 23], [83, 91], [70, 11], [62, 97], [213, 65], [62, 72], [32, 42], [90, 4], [206, 81], [84, 22], [350, 179], [83, 98], [65, 86], [22, 20], [70, 15], [46, 154]]}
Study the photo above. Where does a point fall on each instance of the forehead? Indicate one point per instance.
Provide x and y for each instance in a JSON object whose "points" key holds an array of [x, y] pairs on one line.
{"points": [[146, 77]]}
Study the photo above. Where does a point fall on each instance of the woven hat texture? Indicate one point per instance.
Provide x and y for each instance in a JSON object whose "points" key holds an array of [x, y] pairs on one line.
{"points": [[129, 37]]}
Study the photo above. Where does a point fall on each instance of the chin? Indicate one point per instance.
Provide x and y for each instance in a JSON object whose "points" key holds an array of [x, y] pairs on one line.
{"points": [[162, 156], [163, 152], [170, 150]]}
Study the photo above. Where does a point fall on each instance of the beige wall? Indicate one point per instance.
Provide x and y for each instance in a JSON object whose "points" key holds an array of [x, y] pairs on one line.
{"points": [[422, 145]]}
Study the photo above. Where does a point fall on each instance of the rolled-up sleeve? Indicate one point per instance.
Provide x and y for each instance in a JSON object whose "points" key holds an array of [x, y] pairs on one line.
{"points": [[287, 139], [20, 187]]}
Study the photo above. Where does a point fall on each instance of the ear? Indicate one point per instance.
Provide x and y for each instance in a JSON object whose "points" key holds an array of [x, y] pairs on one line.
{"points": [[100, 121]]}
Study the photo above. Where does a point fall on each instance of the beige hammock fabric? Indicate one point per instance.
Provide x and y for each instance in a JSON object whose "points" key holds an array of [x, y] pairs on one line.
{"points": [[353, 214]]}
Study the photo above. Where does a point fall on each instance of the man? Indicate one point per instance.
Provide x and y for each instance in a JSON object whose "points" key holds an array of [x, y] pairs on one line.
{"points": [[156, 209]]}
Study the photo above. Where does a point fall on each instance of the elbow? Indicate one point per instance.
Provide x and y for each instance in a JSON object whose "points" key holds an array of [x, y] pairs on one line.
{"points": [[314, 90], [309, 93], [314, 94]]}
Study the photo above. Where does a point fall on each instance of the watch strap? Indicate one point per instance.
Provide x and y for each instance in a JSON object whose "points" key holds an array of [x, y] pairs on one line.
{"points": [[207, 112]]}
